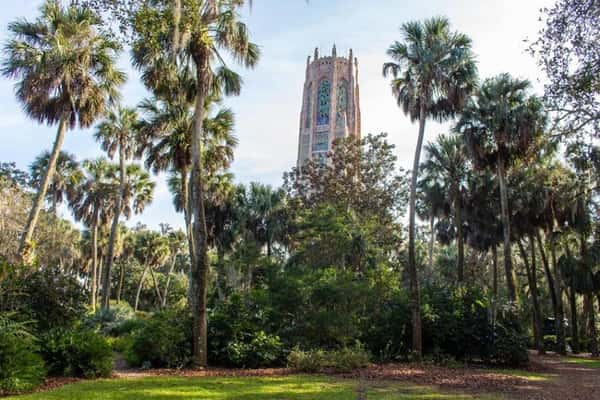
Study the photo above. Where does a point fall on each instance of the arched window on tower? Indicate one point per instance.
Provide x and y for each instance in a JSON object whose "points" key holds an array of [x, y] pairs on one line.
{"points": [[309, 107], [324, 102], [341, 103]]}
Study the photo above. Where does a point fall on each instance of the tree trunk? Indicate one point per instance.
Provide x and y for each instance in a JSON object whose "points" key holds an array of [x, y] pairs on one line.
{"points": [[460, 262], [560, 320], [495, 271], [431, 240], [592, 324], [121, 279], [187, 213], [415, 297], [200, 265], [166, 292], [156, 288], [94, 261], [139, 289], [534, 298], [549, 277], [114, 230], [573, 305], [508, 265], [540, 318], [38, 202]]}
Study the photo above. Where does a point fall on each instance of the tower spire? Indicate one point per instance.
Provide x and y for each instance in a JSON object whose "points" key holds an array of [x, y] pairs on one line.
{"points": [[316, 53], [334, 52]]}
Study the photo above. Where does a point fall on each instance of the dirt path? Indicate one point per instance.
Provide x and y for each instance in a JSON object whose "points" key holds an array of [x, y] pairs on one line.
{"points": [[568, 381], [548, 378]]}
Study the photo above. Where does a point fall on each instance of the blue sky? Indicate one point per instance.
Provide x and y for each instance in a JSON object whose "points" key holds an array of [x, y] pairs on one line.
{"points": [[267, 112]]}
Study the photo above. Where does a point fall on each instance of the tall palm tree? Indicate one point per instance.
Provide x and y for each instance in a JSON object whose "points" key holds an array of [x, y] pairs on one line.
{"points": [[65, 178], [501, 125], [116, 133], [203, 33], [92, 203], [67, 75], [433, 71], [447, 160]]}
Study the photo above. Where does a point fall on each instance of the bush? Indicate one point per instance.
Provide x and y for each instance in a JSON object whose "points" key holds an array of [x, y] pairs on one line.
{"points": [[77, 352], [163, 340], [259, 350], [346, 359], [109, 321], [307, 361], [509, 347], [21, 367], [51, 298]]}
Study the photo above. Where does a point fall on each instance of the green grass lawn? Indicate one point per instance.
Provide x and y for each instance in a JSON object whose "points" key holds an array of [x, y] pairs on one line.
{"points": [[584, 362], [299, 387]]}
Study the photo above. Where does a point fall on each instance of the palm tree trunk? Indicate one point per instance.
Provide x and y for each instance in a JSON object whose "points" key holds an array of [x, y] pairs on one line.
{"points": [[549, 277], [25, 244], [460, 240], [431, 240], [156, 288], [166, 292], [534, 290], [415, 297], [593, 334], [200, 265], [121, 279], [114, 230], [187, 213], [495, 272], [534, 298], [508, 265], [139, 289], [560, 320], [94, 283]]}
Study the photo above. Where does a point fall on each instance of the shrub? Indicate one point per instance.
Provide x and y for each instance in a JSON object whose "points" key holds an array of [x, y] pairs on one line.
{"points": [[53, 299], [259, 350], [509, 347], [109, 321], [163, 340], [77, 352], [346, 359], [21, 367], [307, 361]]}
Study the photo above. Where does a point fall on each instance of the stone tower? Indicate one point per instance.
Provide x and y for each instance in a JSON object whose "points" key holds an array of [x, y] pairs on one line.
{"points": [[330, 106]]}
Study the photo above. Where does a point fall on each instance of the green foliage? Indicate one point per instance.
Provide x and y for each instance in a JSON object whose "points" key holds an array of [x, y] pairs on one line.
{"points": [[163, 340], [236, 332], [77, 352], [21, 367], [255, 351], [509, 347], [110, 321], [48, 296], [346, 359]]}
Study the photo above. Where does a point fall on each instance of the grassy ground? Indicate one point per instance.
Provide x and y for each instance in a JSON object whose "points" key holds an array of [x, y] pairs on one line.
{"points": [[584, 362], [297, 387]]}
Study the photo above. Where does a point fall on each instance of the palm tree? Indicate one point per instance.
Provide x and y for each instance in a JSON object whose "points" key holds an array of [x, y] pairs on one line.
{"points": [[116, 134], [501, 125], [151, 250], [92, 203], [433, 72], [203, 31], [65, 178], [446, 160], [431, 203], [67, 76]]}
